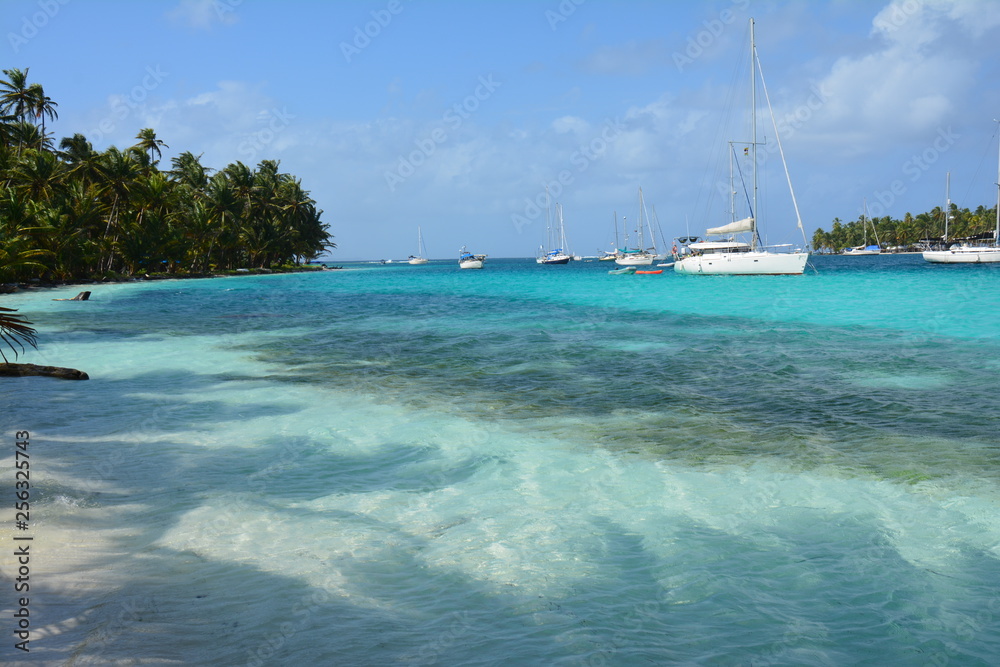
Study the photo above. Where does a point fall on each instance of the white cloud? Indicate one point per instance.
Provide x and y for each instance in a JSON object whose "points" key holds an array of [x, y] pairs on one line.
{"points": [[922, 62], [202, 14], [570, 124]]}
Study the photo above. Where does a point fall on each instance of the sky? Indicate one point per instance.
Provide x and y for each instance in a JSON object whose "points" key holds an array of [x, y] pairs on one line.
{"points": [[470, 120]]}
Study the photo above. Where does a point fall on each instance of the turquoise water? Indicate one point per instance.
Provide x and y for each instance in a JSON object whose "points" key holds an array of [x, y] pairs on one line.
{"points": [[527, 464]]}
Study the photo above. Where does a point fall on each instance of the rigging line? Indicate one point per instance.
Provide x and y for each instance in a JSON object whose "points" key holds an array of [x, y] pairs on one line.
{"points": [[746, 195], [777, 137]]}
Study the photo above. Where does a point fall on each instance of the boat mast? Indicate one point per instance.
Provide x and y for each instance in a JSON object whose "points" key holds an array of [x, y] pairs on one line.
{"points": [[753, 120], [642, 238], [947, 205], [996, 232], [562, 229], [864, 221], [732, 187], [874, 231]]}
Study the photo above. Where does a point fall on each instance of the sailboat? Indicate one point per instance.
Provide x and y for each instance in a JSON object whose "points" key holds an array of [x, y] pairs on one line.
{"points": [[965, 253], [864, 248], [637, 256], [557, 253], [420, 257], [467, 260], [610, 255], [730, 255]]}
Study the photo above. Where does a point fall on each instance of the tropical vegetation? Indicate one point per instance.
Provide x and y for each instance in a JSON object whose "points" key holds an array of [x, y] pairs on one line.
{"points": [[910, 233], [69, 212]]}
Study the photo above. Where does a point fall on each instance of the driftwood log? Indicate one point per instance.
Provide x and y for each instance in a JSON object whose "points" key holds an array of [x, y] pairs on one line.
{"points": [[22, 370]]}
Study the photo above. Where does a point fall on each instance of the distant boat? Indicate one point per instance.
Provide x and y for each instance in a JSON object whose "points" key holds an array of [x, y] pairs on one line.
{"points": [[728, 255], [610, 255], [421, 256], [467, 260], [556, 239], [864, 248], [637, 256], [965, 253]]}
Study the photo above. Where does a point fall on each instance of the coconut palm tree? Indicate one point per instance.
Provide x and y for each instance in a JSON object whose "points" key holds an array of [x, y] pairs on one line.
{"points": [[188, 171], [41, 105], [149, 148], [118, 171], [16, 98]]}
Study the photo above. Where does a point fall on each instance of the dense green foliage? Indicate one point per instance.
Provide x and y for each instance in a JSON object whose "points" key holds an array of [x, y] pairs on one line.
{"points": [[72, 213], [907, 234]]}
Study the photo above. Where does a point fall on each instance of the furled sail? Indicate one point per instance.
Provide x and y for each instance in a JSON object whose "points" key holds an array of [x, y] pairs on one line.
{"points": [[744, 225]]}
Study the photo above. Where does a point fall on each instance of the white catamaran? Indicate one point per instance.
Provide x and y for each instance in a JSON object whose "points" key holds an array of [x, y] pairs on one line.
{"points": [[969, 254], [740, 251]]}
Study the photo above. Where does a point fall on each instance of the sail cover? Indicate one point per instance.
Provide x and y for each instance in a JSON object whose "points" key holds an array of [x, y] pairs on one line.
{"points": [[744, 225]]}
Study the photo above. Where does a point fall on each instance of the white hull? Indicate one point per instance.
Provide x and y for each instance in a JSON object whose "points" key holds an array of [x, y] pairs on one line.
{"points": [[743, 264], [850, 252], [418, 260], [964, 255], [471, 264], [631, 260]]}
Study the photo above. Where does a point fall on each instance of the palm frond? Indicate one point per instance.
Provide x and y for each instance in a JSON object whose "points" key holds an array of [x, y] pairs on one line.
{"points": [[15, 330]]}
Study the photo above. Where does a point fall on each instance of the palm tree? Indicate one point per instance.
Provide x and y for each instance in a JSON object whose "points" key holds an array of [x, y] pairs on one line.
{"points": [[17, 99], [189, 172], [118, 172], [41, 105], [38, 174], [148, 143], [81, 157], [15, 96]]}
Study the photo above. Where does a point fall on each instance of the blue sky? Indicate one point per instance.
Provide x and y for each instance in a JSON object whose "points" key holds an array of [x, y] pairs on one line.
{"points": [[454, 116]]}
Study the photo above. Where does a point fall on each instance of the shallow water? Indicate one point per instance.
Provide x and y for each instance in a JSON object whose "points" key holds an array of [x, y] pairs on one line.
{"points": [[521, 465]]}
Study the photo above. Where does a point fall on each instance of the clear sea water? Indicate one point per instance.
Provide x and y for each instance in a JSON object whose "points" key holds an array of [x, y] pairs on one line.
{"points": [[524, 465]]}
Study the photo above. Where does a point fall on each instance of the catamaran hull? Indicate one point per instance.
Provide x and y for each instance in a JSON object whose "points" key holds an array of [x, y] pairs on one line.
{"points": [[963, 256], [743, 264]]}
